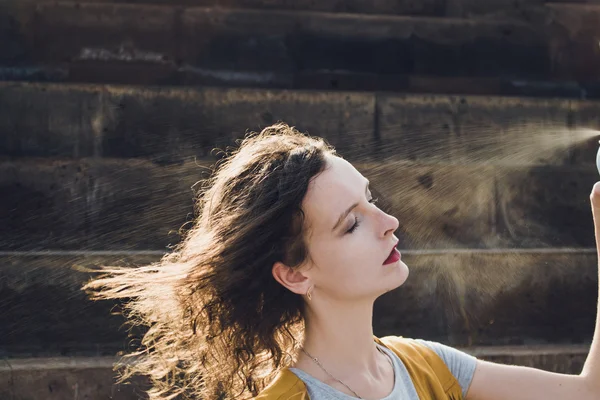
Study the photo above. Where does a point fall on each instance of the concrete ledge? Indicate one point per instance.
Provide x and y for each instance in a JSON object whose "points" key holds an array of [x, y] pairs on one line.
{"points": [[468, 297], [50, 315], [559, 359], [114, 72], [466, 127], [95, 203], [277, 41], [113, 141], [68, 378], [310, 41], [578, 25], [57, 363], [497, 297], [386, 7], [545, 206], [110, 207], [519, 42], [438, 8], [65, 378], [170, 125]]}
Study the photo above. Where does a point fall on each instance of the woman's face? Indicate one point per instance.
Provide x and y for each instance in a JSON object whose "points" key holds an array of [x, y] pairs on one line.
{"points": [[349, 238]]}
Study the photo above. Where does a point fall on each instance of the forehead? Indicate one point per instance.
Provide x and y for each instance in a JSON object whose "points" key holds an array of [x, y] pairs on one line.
{"points": [[331, 192]]}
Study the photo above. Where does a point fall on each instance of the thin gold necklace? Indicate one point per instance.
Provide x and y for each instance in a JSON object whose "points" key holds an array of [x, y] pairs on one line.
{"points": [[316, 360]]}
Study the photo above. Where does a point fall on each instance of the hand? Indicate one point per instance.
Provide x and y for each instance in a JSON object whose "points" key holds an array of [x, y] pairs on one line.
{"points": [[595, 200]]}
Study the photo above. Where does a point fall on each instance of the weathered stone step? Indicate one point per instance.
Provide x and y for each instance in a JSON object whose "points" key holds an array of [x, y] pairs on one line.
{"points": [[545, 50], [386, 7], [470, 297], [47, 314], [172, 125], [114, 72], [553, 43], [580, 26], [438, 8], [94, 203], [564, 359], [430, 144], [165, 124], [66, 378], [123, 204], [250, 41], [93, 377], [497, 296]]}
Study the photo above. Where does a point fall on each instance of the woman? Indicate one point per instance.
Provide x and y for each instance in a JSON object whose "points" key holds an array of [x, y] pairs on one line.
{"points": [[271, 294]]}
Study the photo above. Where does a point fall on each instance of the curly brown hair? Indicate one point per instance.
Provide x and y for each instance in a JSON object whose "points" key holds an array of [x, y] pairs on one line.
{"points": [[218, 325]]}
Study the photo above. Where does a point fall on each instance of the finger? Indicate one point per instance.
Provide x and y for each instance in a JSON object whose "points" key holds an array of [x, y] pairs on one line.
{"points": [[595, 196]]}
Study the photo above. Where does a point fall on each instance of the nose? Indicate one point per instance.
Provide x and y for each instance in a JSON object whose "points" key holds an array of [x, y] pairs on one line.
{"points": [[390, 224]]}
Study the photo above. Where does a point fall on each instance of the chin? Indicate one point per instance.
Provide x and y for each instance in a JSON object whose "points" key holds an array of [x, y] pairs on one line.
{"points": [[400, 272], [395, 276]]}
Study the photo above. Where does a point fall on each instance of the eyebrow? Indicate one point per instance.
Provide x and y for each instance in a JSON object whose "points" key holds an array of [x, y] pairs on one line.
{"points": [[345, 213]]}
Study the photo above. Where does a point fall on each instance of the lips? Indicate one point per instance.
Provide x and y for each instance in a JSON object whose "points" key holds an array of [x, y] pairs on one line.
{"points": [[393, 257]]}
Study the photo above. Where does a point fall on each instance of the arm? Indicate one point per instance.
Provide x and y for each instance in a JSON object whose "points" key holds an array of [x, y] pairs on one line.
{"points": [[498, 382], [591, 368]]}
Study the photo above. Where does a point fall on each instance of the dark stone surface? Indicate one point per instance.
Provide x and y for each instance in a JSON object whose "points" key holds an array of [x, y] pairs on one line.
{"points": [[438, 8], [16, 33], [47, 313], [74, 31], [405, 133], [173, 124], [492, 8], [40, 120], [296, 42], [282, 41], [170, 125], [140, 73], [94, 204], [385, 7], [574, 48], [522, 48], [129, 73], [518, 42], [32, 73]]}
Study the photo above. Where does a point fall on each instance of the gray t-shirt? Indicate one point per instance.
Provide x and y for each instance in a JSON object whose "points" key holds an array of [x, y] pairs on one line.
{"points": [[460, 364]]}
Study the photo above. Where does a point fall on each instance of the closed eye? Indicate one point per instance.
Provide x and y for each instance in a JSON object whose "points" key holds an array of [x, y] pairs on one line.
{"points": [[357, 221], [354, 226]]}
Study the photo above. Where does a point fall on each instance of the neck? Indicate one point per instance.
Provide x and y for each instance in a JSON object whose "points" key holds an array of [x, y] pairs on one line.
{"points": [[340, 335]]}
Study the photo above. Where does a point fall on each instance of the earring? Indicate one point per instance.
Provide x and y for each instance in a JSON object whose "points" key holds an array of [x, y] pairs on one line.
{"points": [[309, 292]]}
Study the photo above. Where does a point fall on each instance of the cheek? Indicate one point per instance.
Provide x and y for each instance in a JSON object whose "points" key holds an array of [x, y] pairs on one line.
{"points": [[345, 259]]}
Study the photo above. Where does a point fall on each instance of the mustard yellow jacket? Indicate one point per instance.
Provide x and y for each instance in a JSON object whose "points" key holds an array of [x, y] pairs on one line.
{"points": [[430, 375]]}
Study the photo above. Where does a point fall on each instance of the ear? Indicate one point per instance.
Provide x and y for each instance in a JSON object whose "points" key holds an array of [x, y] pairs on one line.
{"points": [[290, 278]]}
